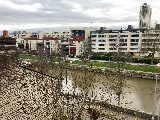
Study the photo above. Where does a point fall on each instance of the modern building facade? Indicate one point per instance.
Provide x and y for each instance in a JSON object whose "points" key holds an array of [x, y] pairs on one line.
{"points": [[47, 44], [110, 41], [145, 16]]}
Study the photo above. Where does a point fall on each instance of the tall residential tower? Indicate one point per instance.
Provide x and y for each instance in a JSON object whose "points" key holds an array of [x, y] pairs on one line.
{"points": [[145, 16]]}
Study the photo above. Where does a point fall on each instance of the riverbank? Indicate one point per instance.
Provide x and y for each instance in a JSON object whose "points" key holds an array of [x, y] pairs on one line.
{"points": [[128, 69], [126, 73]]}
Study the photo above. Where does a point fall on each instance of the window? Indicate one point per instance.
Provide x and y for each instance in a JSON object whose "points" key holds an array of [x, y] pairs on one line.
{"points": [[111, 36], [135, 35], [134, 40], [47, 43], [101, 44], [134, 44], [101, 41], [112, 48], [93, 36], [123, 44], [123, 48], [133, 48], [112, 44], [123, 35], [101, 48], [101, 36], [112, 40], [123, 40]]}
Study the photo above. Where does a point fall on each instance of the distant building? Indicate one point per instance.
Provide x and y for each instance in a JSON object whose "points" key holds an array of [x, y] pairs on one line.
{"points": [[145, 16], [6, 42], [47, 44]]}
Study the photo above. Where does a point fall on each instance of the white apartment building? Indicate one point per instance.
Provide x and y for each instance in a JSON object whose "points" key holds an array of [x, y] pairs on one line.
{"points": [[151, 42], [57, 34], [47, 43], [108, 41]]}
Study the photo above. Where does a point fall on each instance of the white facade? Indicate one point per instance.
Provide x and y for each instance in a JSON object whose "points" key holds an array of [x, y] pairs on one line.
{"points": [[151, 41], [145, 16], [110, 42], [57, 34], [49, 44]]}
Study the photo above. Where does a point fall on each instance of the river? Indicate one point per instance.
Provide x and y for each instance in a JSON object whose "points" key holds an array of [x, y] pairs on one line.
{"points": [[137, 94]]}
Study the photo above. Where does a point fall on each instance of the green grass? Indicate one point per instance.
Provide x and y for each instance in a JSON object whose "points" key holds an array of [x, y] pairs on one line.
{"points": [[28, 57], [141, 68]]}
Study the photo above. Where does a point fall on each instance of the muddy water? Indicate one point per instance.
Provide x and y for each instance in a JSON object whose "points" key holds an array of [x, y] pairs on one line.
{"points": [[137, 94]]}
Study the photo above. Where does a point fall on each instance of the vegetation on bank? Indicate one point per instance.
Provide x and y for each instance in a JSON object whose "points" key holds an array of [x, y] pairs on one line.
{"points": [[142, 68], [98, 64], [28, 57]]}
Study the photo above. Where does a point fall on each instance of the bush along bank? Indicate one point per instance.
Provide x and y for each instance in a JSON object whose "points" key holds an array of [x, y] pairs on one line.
{"points": [[126, 73]]}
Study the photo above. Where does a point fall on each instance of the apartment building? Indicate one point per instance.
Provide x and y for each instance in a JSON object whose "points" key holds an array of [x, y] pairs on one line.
{"points": [[109, 41], [151, 42], [47, 44], [78, 39]]}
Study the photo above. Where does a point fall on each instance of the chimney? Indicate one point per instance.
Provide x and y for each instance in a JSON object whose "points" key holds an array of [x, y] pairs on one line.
{"points": [[5, 33]]}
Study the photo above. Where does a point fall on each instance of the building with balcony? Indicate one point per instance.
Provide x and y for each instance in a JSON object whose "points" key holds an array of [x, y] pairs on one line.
{"points": [[110, 41], [47, 44]]}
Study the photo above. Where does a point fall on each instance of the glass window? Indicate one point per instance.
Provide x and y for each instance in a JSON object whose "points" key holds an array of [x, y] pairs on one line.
{"points": [[93, 36], [101, 48], [134, 44], [112, 44], [112, 40], [101, 44], [135, 35], [101, 40], [134, 40]]}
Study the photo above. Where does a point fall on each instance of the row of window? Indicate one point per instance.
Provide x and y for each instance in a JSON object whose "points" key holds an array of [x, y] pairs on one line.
{"points": [[113, 36], [112, 48], [100, 36], [121, 44], [93, 40], [114, 40]]}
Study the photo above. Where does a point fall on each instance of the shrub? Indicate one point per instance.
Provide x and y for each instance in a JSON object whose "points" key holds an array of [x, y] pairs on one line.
{"points": [[97, 56], [145, 60]]}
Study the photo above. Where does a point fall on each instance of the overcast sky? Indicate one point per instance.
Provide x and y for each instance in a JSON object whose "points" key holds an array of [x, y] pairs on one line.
{"points": [[27, 14]]}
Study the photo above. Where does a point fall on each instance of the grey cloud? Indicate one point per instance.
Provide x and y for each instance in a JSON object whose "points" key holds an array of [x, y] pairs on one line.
{"points": [[60, 12]]}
